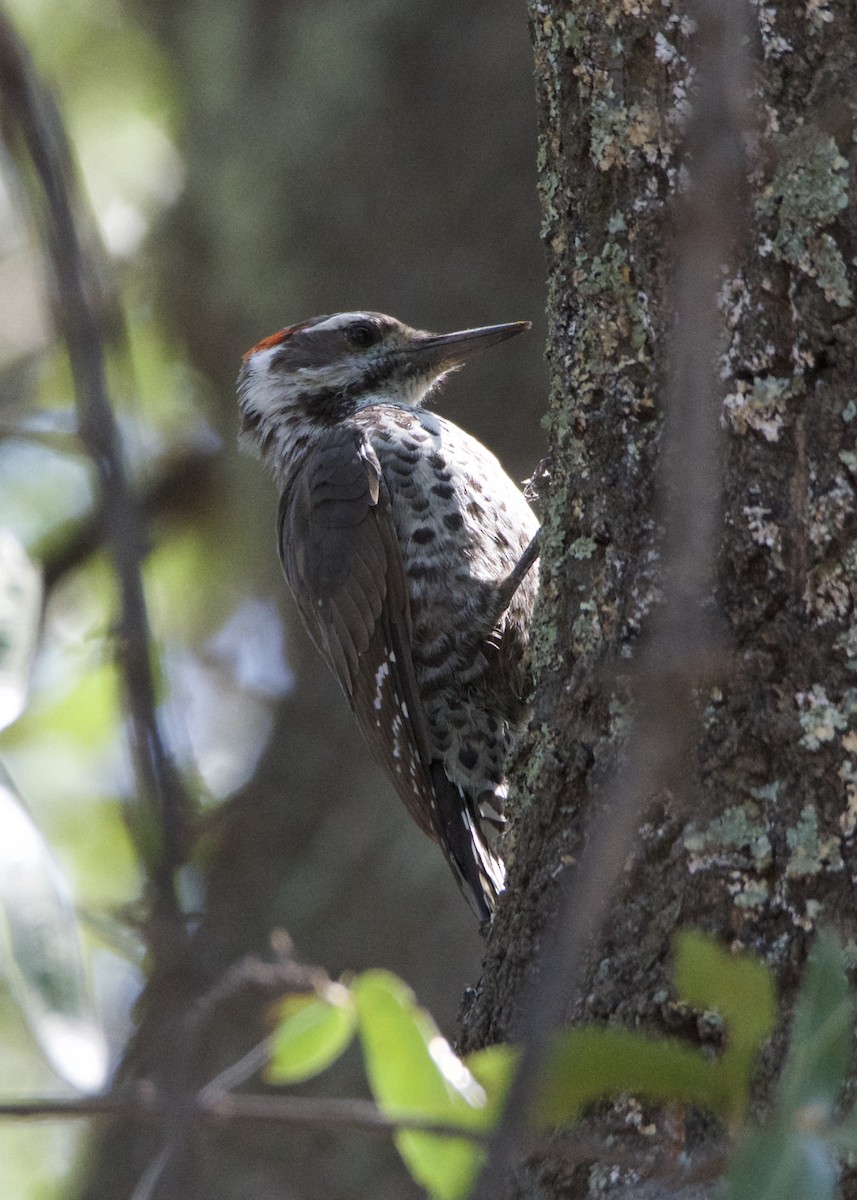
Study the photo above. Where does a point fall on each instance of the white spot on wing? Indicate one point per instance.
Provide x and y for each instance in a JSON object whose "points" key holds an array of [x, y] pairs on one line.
{"points": [[380, 675]]}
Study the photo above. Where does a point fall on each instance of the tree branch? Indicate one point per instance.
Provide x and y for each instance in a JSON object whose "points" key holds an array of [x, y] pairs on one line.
{"points": [[32, 115], [298, 1112]]}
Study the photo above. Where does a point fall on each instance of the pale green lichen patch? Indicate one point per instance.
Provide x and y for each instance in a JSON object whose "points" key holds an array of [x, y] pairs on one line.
{"points": [[751, 894], [811, 854], [549, 189], [807, 193], [572, 35], [847, 644], [738, 842], [774, 44], [829, 269], [539, 749], [737, 839], [830, 511], [586, 631], [548, 50], [583, 547], [765, 532], [623, 134], [768, 793], [818, 14], [616, 323], [620, 718], [751, 358], [830, 595], [760, 405], [820, 718], [848, 775]]}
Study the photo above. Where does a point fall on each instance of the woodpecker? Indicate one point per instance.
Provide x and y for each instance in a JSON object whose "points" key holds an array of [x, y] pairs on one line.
{"points": [[408, 550]]}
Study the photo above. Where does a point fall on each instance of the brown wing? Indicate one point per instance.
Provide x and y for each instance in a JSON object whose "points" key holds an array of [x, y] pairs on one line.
{"points": [[343, 563]]}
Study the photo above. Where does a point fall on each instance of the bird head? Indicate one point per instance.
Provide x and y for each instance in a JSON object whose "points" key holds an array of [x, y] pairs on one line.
{"points": [[310, 375]]}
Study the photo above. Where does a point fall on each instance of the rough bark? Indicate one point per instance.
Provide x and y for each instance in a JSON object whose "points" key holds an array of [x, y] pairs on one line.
{"points": [[760, 848]]}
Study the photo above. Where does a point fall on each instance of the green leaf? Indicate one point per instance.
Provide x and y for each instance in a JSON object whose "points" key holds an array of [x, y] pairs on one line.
{"points": [[410, 1065], [791, 1158], [312, 1033], [741, 989], [775, 1163], [585, 1065], [413, 1073], [494, 1067], [820, 1046]]}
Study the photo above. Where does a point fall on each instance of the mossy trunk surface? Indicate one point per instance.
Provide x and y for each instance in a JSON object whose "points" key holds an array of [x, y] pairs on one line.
{"points": [[760, 850]]}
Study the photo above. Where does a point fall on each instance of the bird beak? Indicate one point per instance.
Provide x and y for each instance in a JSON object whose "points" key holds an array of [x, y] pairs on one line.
{"points": [[451, 349]]}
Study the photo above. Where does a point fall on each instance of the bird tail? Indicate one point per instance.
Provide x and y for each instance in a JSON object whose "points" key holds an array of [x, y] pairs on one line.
{"points": [[480, 872]]}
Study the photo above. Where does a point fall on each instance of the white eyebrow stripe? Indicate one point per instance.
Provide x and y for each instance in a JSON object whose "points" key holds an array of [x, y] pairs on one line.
{"points": [[340, 320], [260, 360]]}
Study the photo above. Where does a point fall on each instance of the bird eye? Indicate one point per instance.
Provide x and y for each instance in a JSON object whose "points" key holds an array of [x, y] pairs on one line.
{"points": [[362, 334]]}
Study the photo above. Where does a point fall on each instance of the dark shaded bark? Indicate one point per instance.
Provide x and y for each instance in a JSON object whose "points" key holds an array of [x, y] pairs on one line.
{"points": [[758, 848]]}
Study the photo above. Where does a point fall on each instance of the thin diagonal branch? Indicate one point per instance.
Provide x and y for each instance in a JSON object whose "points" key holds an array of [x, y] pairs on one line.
{"points": [[297, 1112], [318, 1113], [31, 115]]}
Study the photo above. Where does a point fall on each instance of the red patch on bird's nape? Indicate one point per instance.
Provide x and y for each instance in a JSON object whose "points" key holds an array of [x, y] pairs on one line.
{"points": [[273, 340]]}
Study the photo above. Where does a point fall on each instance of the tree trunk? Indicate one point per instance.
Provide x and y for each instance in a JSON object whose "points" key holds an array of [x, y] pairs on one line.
{"points": [[760, 851]]}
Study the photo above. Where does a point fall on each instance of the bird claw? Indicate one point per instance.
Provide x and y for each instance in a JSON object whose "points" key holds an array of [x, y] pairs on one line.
{"points": [[535, 488]]}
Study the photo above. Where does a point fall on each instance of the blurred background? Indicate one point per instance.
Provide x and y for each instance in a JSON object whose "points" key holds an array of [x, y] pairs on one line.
{"points": [[249, 163]]}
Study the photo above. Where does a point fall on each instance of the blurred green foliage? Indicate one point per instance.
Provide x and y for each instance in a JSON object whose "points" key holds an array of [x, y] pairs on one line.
{"points": [[414, 1074], [795, 1154], [67, 752], [244, 165], [311, 1033]]}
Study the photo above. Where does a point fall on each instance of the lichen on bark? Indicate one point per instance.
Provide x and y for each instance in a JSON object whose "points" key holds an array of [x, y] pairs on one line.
{"points": [[761, 849]]}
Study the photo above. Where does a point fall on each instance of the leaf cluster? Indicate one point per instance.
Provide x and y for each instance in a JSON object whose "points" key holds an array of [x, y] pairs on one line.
{"points": [[416, 1078]]}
